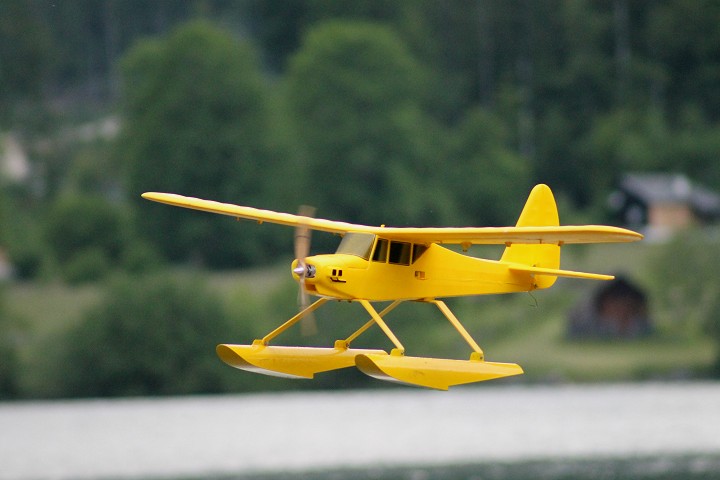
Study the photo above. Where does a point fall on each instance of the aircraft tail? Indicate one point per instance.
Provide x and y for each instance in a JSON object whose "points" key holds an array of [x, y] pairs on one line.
{"points": [[540, 211]]}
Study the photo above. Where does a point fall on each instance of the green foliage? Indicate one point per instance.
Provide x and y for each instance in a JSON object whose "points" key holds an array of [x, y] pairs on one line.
{"points": [[354, 92], [9, 362], [196, 122], [140, 257], [687, 47], [685, 285], [86, 234], [553, 71], [398, 112], [484, 172], [645, 140], [684, 281], [24, 51], [87, 166], [149, 335], [21, 231], [87, 265], [8, 371]]}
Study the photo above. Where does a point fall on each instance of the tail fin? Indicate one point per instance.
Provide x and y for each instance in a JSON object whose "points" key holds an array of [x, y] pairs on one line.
{"points": [[540, 210]]}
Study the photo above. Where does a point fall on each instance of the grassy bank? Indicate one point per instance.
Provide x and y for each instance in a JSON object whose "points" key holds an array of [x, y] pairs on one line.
{"points": [[676, 467], [526, 329]]}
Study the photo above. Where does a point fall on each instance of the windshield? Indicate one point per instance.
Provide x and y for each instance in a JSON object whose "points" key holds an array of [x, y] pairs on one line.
{"points": [[358, 244]]}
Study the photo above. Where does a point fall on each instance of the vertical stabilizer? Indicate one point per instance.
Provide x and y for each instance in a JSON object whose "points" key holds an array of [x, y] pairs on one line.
{"points": [[540, 210]]}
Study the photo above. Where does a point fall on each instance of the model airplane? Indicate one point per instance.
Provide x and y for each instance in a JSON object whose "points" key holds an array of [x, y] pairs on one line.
{"points": [[386, 264]]}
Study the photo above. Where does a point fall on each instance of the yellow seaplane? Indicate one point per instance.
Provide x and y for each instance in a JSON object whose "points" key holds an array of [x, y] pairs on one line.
{"points": [[396, 265]]}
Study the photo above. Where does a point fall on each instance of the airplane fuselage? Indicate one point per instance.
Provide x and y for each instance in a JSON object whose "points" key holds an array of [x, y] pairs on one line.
{"points": [[436, 272]]}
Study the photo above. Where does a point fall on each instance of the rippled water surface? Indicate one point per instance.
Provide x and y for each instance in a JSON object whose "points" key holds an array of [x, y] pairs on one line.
{"points": [[472, 432]]}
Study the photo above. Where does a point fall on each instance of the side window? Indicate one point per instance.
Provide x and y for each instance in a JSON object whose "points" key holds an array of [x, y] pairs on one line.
{"points": [[399, 253], [418, 250], [381, 250]]}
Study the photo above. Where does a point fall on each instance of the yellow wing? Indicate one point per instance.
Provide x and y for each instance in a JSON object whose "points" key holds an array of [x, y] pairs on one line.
{"points": [[259, 215], [508, 235], [457, 235]]}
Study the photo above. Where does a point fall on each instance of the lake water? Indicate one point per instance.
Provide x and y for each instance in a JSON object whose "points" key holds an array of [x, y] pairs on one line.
{"points": [[267, 434]]}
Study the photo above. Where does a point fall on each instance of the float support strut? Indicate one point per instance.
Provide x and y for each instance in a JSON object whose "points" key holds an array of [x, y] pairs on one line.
{"points": [[399, 349], [477, 351], [270, 336]]}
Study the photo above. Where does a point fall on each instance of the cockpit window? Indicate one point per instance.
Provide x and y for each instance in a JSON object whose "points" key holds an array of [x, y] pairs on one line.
{"points": [[418, 250], [399, 253], [381, 251], [358, 244]]}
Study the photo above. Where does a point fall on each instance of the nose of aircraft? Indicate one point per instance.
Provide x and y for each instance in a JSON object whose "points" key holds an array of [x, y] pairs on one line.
{"points": [[303, 271]]}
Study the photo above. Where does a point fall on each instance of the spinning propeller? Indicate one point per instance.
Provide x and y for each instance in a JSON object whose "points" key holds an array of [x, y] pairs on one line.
{"points": [[308, 325]]}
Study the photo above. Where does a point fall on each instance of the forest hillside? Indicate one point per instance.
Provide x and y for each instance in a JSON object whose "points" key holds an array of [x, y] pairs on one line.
{"points": [[420, 113]]}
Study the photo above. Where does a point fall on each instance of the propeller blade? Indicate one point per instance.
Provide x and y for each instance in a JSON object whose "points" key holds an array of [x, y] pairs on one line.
{"points": [[308, 325], [303, 234]]}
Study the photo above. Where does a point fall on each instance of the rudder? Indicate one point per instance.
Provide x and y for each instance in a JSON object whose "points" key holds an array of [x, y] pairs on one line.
{"points": [[540, 210]]}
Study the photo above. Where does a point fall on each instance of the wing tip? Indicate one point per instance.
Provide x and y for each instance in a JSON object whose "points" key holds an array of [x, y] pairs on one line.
{"points": [[162, 197], [631, 235], [153, 195]]}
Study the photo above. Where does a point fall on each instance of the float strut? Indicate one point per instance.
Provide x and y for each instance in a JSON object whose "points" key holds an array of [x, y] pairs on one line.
{"points": [[399, 349], [477, 351], [270, 336], [370, 323]]}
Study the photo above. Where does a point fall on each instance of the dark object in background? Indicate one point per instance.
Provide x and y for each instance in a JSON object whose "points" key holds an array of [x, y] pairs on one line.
{"points": [[618, 309]]}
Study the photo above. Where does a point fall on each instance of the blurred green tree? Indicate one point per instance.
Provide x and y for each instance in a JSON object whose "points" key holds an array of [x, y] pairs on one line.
{"points": [[685, 284], [684, 43], [197, 122], [354, 93], [9, 363], [24, 55], [280, 26], [149, 335], [86, 233], [631, 139], [89, 35], [696, 148], [487, 177]]}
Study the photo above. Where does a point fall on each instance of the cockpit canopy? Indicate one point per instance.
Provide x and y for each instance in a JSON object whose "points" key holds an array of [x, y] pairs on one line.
{"points": [[367, 246]]}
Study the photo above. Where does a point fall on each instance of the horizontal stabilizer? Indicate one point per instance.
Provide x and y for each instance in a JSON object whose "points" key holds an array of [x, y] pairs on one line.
{"points": [[437, 373], [558, 273]]}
